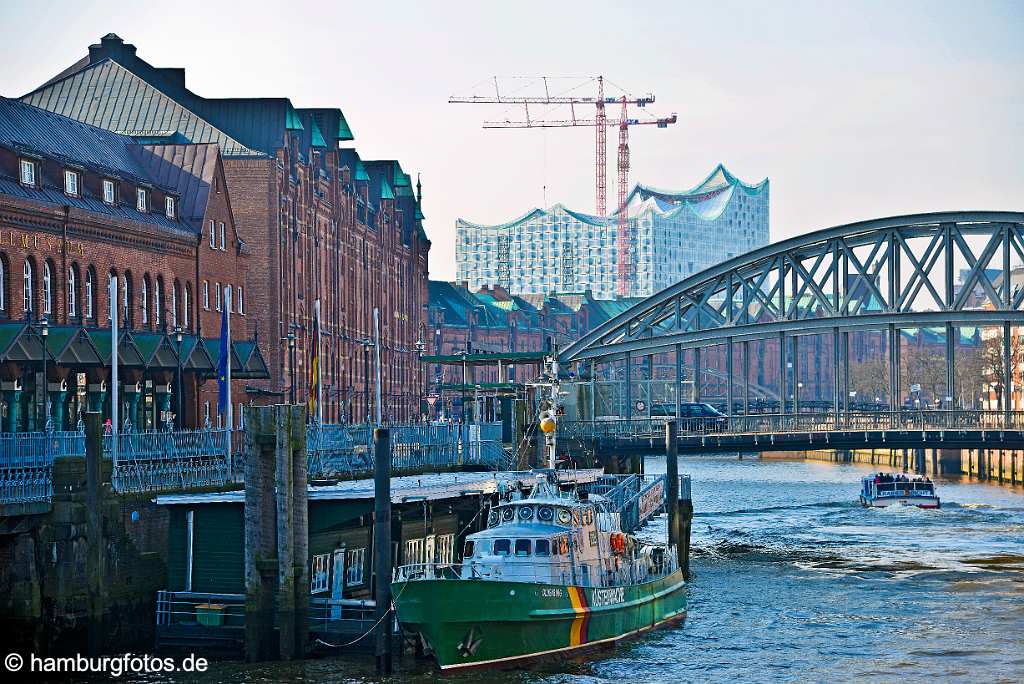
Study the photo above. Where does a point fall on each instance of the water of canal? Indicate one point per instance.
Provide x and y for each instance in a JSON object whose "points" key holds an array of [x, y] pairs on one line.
{"points": [[794, 581]]}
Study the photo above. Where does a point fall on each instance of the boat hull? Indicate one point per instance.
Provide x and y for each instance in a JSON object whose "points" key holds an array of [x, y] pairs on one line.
{"points": [[487, 623], [918, 501]]}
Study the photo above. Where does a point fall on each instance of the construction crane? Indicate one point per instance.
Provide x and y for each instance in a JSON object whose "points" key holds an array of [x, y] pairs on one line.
{"points": [[600, 122]]}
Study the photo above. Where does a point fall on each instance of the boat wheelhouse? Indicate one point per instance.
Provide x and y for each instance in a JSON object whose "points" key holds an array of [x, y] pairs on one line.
{"points": [[880, 491]]}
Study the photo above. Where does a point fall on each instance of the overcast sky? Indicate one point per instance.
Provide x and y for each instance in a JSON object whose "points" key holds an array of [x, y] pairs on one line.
{"points": [[853, 110]]}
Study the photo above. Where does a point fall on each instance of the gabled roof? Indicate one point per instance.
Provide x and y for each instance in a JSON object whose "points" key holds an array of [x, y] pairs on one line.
{"points": [[108, 95]]}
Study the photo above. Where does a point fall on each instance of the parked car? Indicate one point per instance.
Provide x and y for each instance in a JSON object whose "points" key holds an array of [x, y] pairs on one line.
{"points": [[693, 416]]}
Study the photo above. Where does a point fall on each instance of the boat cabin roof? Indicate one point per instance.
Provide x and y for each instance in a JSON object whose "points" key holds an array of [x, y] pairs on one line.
{"points": [[518, 530]]}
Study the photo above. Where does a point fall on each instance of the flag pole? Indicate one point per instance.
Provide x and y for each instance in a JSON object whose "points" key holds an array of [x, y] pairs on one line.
{"points": [[319, 365], [115, 387], [376, 346], [230, 414]]}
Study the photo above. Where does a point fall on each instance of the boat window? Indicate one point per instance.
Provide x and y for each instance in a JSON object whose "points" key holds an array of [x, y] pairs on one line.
{"points": [[542, 547], [483, 547], [501, 547], [469, 549], [522, 547]]}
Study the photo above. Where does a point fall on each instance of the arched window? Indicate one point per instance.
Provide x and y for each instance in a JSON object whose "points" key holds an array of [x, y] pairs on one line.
{"points": [[144, 300], [126, 284], [157, 314], [47, 288], [72, 291], [174, 304], [185, 305], [27, 287], [90, 280]]}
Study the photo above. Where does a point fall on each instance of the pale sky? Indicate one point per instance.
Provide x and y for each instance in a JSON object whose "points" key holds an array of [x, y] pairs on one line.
{"points": [[853, 110]]}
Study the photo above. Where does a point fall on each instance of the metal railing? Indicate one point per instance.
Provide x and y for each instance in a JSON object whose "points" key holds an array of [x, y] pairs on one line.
{"points": [[163, 460], [823, 421], [199, 609], [884, 489]]}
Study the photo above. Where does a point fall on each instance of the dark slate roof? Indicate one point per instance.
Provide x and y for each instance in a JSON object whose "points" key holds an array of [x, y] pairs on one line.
{"points": [[189, 169], [259, 123], [36, 131], [110, 96]]}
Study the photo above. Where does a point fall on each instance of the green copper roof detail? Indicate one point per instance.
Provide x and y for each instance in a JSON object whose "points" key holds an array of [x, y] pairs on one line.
{"points": [[385, 191], [402, 179], [361, 174], [317, 139], [292, 121], [419, 211], [344, 132]]}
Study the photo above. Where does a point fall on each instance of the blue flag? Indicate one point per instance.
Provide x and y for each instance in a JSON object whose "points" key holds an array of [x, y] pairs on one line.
{"points": [[222, 364]]}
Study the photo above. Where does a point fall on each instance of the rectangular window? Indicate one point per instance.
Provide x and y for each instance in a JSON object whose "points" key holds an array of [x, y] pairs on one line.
{"points": [[169, 207], [206, 295], [355, 560], [140, 200], [206, 413], [241, 309], [28, 172], [221, 227], [71, 182], [216, 293], [318, 574], [213, 235], [108, 191]]}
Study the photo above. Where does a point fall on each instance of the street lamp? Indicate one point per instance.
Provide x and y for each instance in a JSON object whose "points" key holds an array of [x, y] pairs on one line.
{"points": [[178, 335], [44, 331], [366, 343], [291, 366]]}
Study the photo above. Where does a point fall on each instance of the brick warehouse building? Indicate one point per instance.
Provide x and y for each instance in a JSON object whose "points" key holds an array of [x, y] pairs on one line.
{"points": [[79, 204], [320, 223]]}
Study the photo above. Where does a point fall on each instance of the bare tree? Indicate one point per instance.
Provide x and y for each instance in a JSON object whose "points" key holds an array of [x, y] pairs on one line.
{"points": [[869, 378]]}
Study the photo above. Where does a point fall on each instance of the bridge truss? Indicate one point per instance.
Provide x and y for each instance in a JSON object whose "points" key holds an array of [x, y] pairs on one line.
{"points": [[927, 271]]}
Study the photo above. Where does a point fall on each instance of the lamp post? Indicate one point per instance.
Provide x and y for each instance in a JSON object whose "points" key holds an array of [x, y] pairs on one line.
{"points": [[366, 376], [421, 384], [178, 335], [44, 331], [291, 366]]}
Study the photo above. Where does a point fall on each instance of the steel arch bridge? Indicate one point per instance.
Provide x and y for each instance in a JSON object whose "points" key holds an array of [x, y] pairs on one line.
{"points": [[885, 275]]}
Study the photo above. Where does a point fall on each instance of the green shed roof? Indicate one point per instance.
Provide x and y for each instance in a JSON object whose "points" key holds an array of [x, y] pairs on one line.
{"points": [[344, 132], [385, 191], [317, 136], [292, 121]]}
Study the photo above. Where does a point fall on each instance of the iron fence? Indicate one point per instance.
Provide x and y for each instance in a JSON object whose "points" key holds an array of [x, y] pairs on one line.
{"points": [[151, 461]]}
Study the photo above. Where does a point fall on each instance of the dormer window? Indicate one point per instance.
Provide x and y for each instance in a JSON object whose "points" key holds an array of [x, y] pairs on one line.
{"points": [[28, 172], [71, 182], [169, 207], [141, 201], [109, 195]]}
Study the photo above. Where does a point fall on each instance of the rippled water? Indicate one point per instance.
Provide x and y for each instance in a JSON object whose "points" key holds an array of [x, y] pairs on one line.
{"points": [[795, 581]]}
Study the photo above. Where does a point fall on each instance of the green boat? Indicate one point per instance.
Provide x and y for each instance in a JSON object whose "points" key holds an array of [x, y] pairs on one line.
{"points": [[550, 576]]}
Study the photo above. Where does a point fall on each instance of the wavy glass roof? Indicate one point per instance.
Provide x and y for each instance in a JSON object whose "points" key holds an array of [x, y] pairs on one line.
{"points": [[706, 200]]}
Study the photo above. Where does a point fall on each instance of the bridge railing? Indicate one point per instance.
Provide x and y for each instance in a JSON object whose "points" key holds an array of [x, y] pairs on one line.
{"points": [[781, 423]]}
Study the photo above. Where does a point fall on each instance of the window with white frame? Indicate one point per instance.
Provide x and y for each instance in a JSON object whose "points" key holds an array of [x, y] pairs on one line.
{"points": [[206, 412], [319, 574], [184, 308], [216, 293], [141, 201], [174, 305], [241, 310], [88, 293], [206, 295], [71, 182], [72, 292], [47, 289], [27, 285], [144, 301], [220, 226], [169, 207], [27, 172], [355, 562], [108, 191], [3, 286], [213, 234]]}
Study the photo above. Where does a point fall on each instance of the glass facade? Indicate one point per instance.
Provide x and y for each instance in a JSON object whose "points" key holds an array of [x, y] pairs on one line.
{"points": [[671, 235]]}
